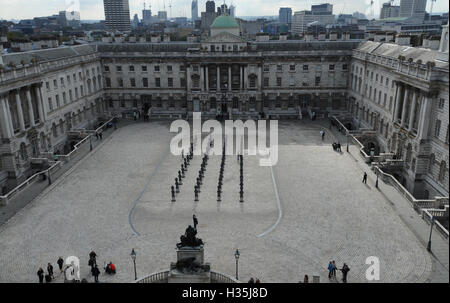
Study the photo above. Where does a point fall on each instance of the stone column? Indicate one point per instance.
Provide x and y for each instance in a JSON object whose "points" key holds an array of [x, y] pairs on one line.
{"points": [[229, 78], [39, 103], [245, 76], [412, 111], [202, 78], [218, 78], [20, 112], [188, 78], [405, 102], [30, 107], [8, 113], [7, 132], [398, 93], [259, 77], [207, 78], [424, 121], [241, 74]]}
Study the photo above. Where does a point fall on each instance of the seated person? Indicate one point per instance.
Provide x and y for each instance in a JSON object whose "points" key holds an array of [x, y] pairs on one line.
{"points": [[110, 268]]}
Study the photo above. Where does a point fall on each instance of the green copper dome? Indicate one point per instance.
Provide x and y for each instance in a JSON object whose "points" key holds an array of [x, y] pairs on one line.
{"points": [[225, 22]]}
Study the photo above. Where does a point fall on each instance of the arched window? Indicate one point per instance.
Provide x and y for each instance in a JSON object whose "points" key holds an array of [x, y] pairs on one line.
{"points": [[23, 152], [442, 171]]}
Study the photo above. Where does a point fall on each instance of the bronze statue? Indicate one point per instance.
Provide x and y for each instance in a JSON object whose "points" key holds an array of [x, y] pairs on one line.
{"points": [[189, 238]]}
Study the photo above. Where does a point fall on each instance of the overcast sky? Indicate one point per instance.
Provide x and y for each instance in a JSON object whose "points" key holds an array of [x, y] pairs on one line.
{"points": [[93, 9]]}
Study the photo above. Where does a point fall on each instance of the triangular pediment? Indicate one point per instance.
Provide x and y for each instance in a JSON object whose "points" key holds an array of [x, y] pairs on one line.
{"points": [[224, 37]]}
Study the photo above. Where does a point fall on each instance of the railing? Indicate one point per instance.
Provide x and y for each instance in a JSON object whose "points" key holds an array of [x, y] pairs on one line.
{"points": [[222, 278], [163, 277], [4, 199], [159, 277], [428, 214]]}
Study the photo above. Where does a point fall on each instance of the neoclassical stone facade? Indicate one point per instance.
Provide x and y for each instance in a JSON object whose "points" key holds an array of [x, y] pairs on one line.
{"points": [[43, 95], [400, 92]]}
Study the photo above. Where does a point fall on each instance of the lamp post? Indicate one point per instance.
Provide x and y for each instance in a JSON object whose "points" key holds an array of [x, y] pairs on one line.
{"points": [[431, 231], [133, 257], [236, 256], [348, 140], [376, 183], [90, 142]]}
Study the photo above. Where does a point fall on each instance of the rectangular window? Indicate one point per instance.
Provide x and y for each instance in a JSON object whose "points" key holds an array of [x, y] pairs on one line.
{"points": [[50, 103], [252, 82], [305, 67], [106, 68], [182, 68], [76, 92], [158, 82], [47, 85], [118, 68], [144, 68], [55, 84], [131, 68], [64, 97], [133, 82], [74, 76], [68, 80], [57, 100], [182, 82], [331, 67], [70, 95], [145, 82], [279, 68], [291, 81], [266, 82], [266, 68], [120, 81], [108, 82], [62, 82], [170, 82], [317, 81], [437, 128], [441, 103], [169, 68], [344, 67], [156, 68], [387, 81], [279, 81], [292, 67]]}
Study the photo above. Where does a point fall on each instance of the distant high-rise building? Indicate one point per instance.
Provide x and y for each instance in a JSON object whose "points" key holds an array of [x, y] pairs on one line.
{"points": [[194, 10], [210, 7], [413, 8], [146, 16], [285, 15], [389, 11], [322, 9], [135, 22], [223, 10], [162, 16], [117, 15], [232, 11]]}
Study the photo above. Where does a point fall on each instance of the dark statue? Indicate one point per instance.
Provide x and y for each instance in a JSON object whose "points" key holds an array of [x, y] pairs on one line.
{"points": [[189, 239]]}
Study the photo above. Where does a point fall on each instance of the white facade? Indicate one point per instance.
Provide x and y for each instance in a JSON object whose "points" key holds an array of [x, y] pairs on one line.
{"points": [[301, 19]]}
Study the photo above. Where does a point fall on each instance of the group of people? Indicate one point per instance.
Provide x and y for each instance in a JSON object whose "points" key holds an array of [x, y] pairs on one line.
{"points": [[337, 147], [252, 281], [332, 268], [49, 276], [110, 268]]}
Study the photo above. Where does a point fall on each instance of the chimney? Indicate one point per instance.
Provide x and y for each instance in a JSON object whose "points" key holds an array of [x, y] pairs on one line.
{"points": [[262, 37], [345, 36], [282, 37], [333, 36], [309, 37], [322, 36]]}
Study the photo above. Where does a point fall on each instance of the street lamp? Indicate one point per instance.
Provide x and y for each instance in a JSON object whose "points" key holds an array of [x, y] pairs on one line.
{"points": [[431, 231], [236, 256], [133, 257], [376, 183]]}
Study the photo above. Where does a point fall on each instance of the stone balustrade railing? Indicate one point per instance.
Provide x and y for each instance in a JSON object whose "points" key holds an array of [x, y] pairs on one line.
{"points": [[163, 277], [428, 214], [34, 178]]}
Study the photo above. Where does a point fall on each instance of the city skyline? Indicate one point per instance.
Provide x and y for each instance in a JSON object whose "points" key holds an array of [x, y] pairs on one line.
{"points": [[93, 9]]}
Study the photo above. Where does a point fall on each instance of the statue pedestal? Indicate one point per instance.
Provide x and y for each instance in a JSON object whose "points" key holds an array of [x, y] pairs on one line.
{"points": [[184, 275]]}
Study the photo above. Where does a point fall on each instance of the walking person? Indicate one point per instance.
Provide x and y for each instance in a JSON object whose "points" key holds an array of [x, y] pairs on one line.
{"points": [[60, 263], [50, 271], [345, 269], [135, 115], [195, 221], [96, 135], [330, 270], [334, 268], [40, 274], [322, 134], [306, 279], [365, 178], [95, 273], [101, 135]]}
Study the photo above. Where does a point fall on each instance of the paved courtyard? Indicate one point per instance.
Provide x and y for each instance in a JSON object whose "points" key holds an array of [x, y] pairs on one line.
{"points": [[297, 216]]}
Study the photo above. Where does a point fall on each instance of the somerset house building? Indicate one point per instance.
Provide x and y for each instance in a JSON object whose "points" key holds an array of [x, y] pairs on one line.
{"points": [[400, 92]]}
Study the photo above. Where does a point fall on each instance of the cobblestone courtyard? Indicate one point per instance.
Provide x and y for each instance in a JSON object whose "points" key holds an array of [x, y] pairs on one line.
{"points": [[118, 198]]}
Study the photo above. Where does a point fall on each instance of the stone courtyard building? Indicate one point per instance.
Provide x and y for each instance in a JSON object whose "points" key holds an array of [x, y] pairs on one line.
{"points": [[400, 92]]}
